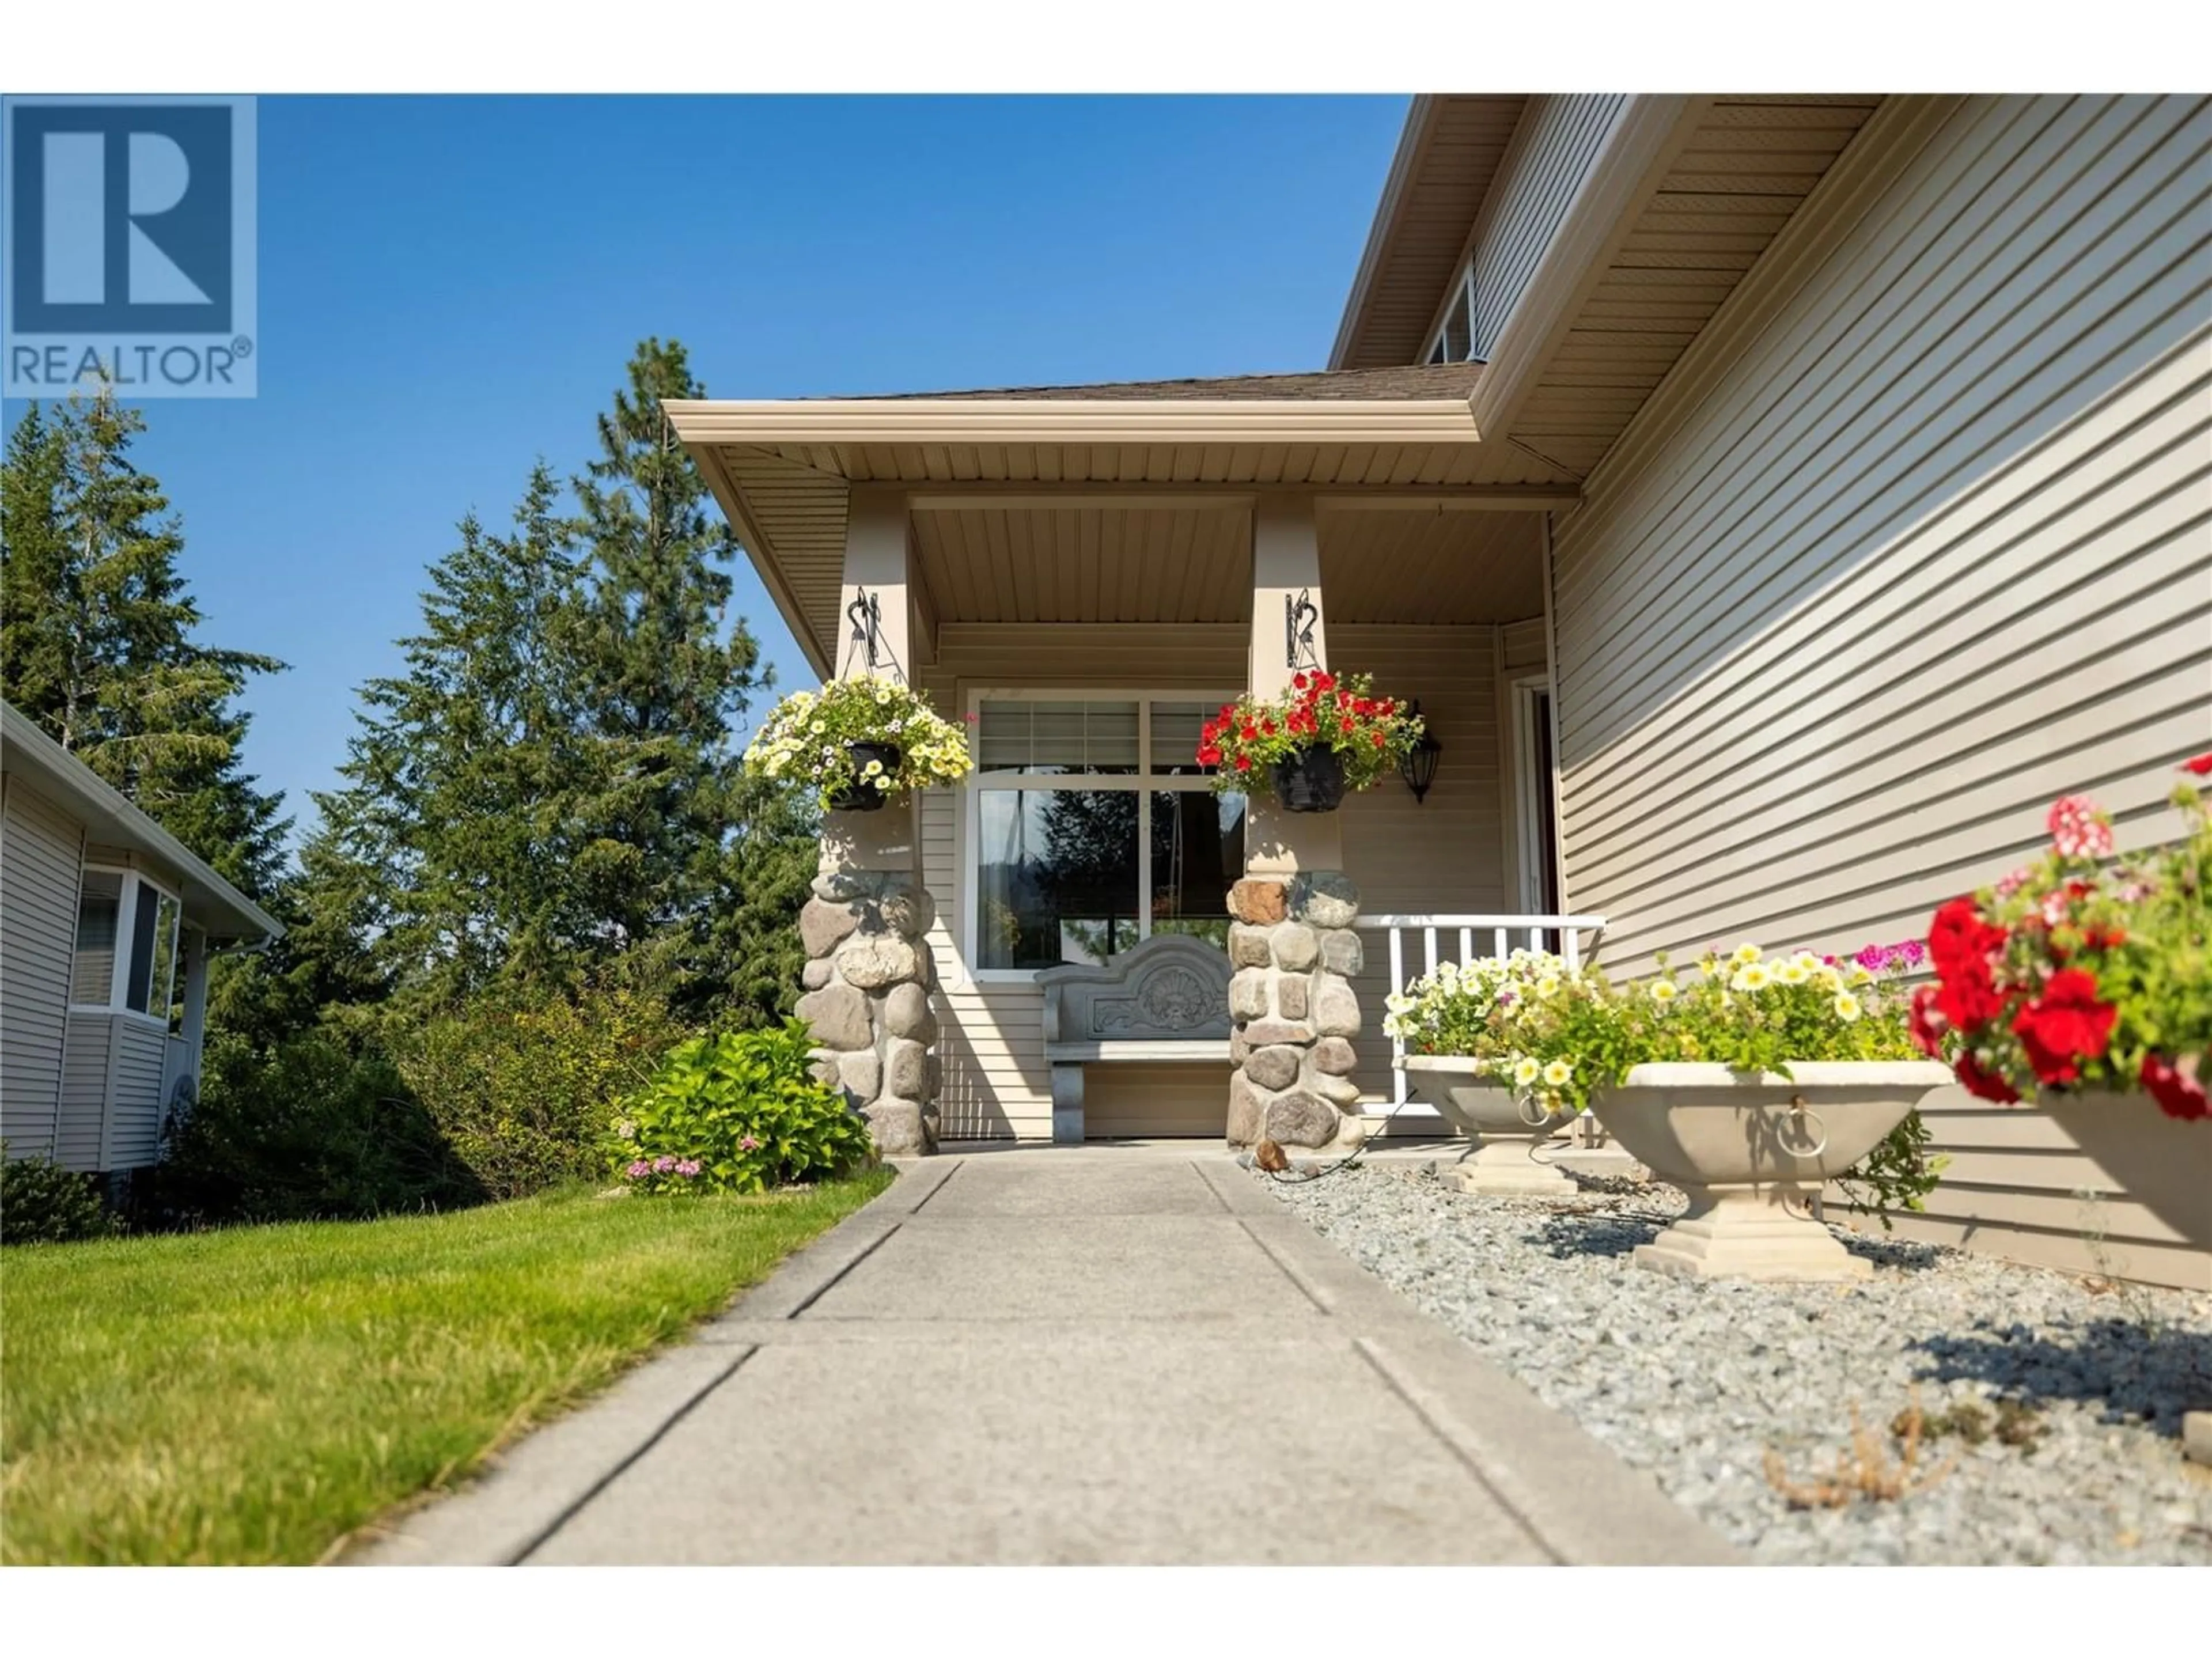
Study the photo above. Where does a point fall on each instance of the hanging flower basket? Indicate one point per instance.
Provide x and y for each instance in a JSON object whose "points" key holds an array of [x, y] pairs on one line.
{"points": [[868, 761], [1310, 780], [1325, 736], [859, 743]]}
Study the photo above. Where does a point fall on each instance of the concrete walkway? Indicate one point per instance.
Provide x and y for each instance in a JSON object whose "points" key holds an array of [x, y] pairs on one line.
{"points": [[1063, 1355]]}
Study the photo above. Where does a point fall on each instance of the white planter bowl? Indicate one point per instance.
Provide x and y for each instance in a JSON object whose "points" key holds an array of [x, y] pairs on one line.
{"points": [[2163, 1163], [1753, 1150], [1503, 1162]]}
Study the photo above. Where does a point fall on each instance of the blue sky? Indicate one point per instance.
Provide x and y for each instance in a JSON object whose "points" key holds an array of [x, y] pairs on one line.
{"points": [[450, 288]]}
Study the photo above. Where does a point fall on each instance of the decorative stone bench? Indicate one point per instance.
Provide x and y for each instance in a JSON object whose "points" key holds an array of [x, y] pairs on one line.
{"points": [[1166, 1001]]}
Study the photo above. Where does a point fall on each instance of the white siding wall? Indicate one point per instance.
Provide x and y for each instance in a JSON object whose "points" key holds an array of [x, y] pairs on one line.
{"points": [[80, 1131], [1558, 140], [135, 1103], [1932, 552], [1443, 854], [40, 850]]}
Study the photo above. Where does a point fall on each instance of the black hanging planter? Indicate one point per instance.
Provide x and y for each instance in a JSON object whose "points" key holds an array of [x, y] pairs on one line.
{"points": [[1312, 781], [865, 797]]}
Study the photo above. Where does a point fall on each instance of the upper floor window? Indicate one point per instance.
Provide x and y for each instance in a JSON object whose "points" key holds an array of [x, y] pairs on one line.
{"points": [[125, 959], [1455, 337], [1092, 826]]}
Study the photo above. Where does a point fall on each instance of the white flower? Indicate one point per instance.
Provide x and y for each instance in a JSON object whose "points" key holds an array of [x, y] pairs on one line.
{"points": [[1751, 976], [1847, 1005], [1745, 955], [1525, 1071], [1557, 1073], [1792, 972], [1548, 986], [1663, 990]]}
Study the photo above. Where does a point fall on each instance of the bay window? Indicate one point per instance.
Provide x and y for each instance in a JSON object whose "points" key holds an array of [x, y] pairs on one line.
{"points": [[1092, 826], [125, 958]]}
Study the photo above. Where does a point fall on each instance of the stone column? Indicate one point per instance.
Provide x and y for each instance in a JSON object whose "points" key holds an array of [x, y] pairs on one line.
{"points": [[1294, 1015], [869, 975]]}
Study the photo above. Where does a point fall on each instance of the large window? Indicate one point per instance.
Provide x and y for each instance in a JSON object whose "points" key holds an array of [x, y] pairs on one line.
{"points": [[126, 945], [1092, 826]]}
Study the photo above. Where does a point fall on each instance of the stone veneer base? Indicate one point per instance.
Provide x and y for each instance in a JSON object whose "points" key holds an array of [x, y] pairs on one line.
{"points": [[1293, 952]]}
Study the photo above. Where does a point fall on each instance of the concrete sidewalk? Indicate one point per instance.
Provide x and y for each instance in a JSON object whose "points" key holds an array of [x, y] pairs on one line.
{"points": [[1063, 1355]]}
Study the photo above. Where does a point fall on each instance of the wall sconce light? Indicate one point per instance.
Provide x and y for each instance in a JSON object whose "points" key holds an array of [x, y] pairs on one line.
{"points": [[1419, 768]]}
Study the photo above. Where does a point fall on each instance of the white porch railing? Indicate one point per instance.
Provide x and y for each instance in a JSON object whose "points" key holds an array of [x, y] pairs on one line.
{"points": [[1463, 939]]}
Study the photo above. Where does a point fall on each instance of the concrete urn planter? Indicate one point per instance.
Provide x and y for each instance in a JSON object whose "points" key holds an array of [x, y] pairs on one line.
{"points": [[1753, 1150], [1503, 1162], [2164, 1163]]}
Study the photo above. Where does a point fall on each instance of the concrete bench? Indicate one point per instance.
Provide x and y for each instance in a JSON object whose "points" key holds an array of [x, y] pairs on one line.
{"points": [[1167, 1000]]}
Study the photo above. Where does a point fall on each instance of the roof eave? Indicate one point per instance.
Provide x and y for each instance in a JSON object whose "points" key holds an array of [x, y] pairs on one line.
{"points": [[1074, 421], [210, 902]]}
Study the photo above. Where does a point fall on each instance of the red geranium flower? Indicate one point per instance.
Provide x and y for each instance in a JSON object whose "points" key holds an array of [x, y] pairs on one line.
{"points": [[2178, 1094], [1244, 762], [1988, 1084], [2065, 1026], [1928, 1024], [2201, 765]]}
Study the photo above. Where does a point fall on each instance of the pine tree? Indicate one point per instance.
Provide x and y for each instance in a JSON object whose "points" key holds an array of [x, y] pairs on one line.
{"points": [[97, 636]]}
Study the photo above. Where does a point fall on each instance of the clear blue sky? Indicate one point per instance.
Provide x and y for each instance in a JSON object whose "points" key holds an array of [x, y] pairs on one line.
{"points": [[450, 288]]}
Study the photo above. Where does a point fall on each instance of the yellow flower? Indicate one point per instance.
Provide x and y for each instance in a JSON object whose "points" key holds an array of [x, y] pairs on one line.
{"points": [[1860, 975], [872, 769], [1548, 986], [1847, 1005], [1752, 976], [1830, 980], [1791, 973], [1557, 1073], [1744, 954], [1663, 990], [1525, 1071]]}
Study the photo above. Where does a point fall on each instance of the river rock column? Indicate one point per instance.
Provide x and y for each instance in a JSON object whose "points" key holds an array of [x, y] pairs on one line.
{"points": [[1293, 1013], [869, 976]]}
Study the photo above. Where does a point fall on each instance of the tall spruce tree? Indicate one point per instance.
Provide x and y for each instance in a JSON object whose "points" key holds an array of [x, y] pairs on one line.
{"points": [[467, 843], [98, 637]]}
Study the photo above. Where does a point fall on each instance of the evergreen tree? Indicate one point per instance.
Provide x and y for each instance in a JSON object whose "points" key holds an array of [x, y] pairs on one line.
{"points": [[466, 842], [97, 636], [669, 680]]}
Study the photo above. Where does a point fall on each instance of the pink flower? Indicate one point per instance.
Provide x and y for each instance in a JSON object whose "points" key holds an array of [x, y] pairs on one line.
{"points": [[2078, 830], [749, 1144], [639, 1171], [663, 1164], [688, 1167]]}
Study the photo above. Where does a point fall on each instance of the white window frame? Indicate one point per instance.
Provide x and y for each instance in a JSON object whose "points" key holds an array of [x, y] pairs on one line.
{"points": [[135, 882], [1531, 793], [1143, 781], [1432, 352]]}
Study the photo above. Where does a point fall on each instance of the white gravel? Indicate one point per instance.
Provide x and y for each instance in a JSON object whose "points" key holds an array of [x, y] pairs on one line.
{"points": [[1696, 1380]]}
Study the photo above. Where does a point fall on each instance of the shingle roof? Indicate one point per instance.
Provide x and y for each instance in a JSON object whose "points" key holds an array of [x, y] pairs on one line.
{"points": [[1438, 381]]}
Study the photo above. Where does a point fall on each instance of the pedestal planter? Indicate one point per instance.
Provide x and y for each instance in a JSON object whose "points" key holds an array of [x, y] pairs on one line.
{"points": [[865, 796], [1752, 1151], [1504, 1163], [1312, 781], [2162, 1162]]}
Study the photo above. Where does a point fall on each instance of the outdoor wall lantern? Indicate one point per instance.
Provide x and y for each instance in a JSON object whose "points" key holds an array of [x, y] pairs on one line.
{"points": [[1419, 768]]}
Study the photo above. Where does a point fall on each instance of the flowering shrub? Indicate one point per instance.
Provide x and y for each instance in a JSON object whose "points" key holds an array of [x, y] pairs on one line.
{"points": [[2079, 971], [737, 1113], [1468, 1011], [805, 738], [1370, 734]]}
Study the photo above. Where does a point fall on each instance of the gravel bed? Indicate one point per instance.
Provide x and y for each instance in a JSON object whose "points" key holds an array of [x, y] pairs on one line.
{"points": [[1696, 1380]]}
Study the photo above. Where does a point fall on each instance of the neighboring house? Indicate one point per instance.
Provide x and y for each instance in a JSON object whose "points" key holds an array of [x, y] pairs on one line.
{"points": [[106, 926], [1774, 502]]}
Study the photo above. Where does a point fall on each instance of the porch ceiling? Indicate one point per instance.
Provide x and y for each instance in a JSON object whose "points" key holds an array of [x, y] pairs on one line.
{"points": [[1044, 533]]}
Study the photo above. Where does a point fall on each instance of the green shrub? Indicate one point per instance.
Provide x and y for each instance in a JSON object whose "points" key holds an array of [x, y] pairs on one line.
{"points": [[42, 1203], [737, 1113], [522, 1085], [310, 1129]]}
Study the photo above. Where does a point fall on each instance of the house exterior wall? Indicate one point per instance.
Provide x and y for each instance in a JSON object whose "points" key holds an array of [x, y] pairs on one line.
{"points": [[80, 1134], [1928, 552], [1444, 854], [1558, 143], [41, 851]]}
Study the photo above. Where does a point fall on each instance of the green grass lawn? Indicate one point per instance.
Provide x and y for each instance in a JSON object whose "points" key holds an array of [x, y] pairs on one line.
{"points": [[255, 1395]]}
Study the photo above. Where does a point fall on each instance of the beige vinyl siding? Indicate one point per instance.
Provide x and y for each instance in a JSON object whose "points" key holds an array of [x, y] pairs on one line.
{"points": [[1443, 854], [40, 851], [134, 1107], [1522, 644], [1558, 143], [1927, 552], [80, 1125]]}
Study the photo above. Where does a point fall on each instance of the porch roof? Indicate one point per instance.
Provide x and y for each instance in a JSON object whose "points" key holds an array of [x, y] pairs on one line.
{"points": [[1163, 463]]}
